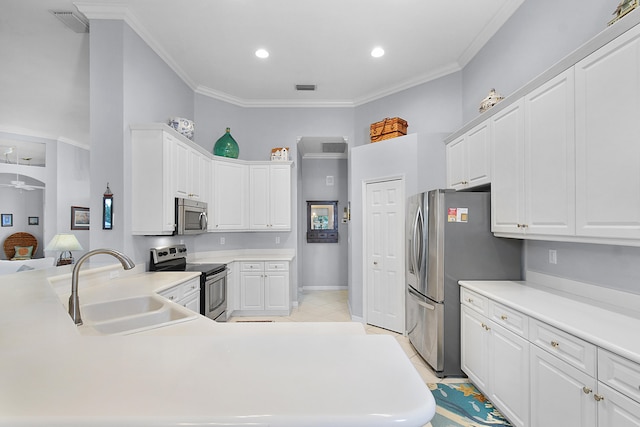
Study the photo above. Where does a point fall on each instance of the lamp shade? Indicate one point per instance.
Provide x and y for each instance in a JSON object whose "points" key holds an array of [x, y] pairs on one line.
{"points": [[64, 242]]}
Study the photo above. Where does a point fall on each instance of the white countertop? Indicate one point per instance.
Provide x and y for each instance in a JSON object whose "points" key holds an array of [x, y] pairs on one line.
{"points": [[603, 327], [198, 372]]}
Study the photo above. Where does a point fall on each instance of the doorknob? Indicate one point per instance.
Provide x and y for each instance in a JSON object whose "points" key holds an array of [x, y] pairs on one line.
{"points": [[375, 262]]}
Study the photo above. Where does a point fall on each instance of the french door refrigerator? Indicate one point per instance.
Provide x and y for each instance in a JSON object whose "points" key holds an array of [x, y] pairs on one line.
{"points": [[448, 238]]}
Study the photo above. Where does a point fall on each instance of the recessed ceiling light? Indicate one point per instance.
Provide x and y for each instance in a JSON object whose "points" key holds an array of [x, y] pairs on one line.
{"points": [[262, 53], [377, 52]]}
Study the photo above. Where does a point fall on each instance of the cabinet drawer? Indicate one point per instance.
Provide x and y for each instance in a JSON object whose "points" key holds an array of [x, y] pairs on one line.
{"points": [[509, 318], [277, 266], [182, 290], [172, 294], [619, 373], [475, 301], [572, 350], [191, 287], [252, 266]]}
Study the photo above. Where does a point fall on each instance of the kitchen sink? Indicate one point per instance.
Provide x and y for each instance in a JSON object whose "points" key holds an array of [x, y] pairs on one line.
{"points": [[131, 315], [109, 310]]}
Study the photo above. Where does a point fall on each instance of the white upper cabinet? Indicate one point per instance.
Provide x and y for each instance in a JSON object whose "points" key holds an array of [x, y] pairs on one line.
{"points": [[189, 172], [469, 159], [549, 157], [152, 182], [270, 197], [533, 182], [230, 210], [507, 182], [607, 146]]}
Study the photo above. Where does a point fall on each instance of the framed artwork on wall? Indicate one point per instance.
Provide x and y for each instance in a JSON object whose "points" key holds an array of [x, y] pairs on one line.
{"points": [[79, 218], [34, 220], [7, 220]]}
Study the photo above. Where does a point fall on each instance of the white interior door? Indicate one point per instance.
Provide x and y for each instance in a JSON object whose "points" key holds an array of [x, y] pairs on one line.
{"points": [[385, 286]]}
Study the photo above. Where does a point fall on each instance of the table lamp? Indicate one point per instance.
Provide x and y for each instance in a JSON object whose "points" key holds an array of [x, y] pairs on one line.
{"points": [[65, 243]]}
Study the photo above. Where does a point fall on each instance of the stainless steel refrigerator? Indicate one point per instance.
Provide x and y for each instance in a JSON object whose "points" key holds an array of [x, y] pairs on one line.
{"points": [[448, 238]]}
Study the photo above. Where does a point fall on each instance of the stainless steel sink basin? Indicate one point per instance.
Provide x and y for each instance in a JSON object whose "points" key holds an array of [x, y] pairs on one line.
{"points": [[103, 311], [131, 315]]}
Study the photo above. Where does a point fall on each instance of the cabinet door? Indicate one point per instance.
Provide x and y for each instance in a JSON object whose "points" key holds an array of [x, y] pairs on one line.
{"points": [[276, 291], [259, 189], [192, 302], [550, 157], [509, 378], [280, 197], [474, 344], [152, 187], [617, 410], [561, 395], [507, 174], [456, 164], [252, 291], [607, 149], [195, 174], [478, 155], [469, 159], [181, 167], [230, 208]]}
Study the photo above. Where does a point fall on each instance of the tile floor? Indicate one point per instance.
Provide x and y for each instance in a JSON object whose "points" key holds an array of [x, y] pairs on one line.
{"points": [[331, 306]]}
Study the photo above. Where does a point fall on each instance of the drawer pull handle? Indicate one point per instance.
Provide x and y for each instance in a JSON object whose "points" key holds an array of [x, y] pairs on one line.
{"points": [[598, 397], [555, 344], [503, 317], [469, 300], [586, 390], [486, 327]]}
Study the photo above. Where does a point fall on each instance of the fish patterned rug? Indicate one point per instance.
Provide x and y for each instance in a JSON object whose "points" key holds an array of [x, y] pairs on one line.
{"points": [[462, 405]]}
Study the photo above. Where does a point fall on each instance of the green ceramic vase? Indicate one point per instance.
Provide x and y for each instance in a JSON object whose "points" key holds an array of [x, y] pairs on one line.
{"points": [[226, 146]]}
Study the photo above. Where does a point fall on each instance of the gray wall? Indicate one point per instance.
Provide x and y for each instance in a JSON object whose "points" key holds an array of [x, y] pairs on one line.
{"points": [[129, 84], [324, 265], [538, 35]]}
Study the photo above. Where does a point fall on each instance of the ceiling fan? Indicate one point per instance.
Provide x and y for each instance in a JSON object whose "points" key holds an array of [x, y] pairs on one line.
{"points": [[21, 185]]}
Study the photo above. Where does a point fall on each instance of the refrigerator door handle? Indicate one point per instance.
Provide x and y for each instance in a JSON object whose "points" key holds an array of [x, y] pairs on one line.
{"points": [[420, 300], [417, 242]]}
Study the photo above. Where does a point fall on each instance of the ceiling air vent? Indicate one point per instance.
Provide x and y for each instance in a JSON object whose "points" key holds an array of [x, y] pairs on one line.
{"points": [[306, 87], [72, 21], [333, 147]]}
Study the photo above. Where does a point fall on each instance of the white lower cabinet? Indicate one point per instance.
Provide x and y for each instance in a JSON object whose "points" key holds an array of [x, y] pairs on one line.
{"points": [[497, 362], [264, 288], [561, 394], [186, 294], [538, 375]]}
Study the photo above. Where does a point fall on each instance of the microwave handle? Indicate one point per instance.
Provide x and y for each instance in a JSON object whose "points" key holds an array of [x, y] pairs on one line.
{"points": [[204, 221]]}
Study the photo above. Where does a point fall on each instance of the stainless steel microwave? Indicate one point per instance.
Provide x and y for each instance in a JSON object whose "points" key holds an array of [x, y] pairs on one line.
{"points": [[191, 216]]}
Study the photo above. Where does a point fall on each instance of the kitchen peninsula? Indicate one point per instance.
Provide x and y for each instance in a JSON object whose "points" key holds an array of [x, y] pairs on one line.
{"points": [[194, 372]]}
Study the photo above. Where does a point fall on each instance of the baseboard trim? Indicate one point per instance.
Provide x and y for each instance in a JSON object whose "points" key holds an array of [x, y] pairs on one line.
{"points": [[324, 288]]}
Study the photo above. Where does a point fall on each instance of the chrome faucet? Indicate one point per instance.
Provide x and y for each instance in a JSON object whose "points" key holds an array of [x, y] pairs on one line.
{"points": [[74, 302]]}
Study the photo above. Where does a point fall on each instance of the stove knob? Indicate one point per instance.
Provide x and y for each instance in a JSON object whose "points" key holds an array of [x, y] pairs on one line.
{"points": [[163, 253]]}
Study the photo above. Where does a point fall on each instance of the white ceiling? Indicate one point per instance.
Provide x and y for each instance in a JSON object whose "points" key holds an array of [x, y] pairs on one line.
{"points": [[210, 44]]}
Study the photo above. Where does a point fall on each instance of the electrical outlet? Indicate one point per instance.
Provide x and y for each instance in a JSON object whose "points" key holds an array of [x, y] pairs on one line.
{"points": [[553, 256], [277, 240], [222, 240]]}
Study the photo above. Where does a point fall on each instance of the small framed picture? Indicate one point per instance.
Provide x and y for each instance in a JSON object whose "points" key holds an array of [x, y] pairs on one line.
{"points": [[79, 218], [34, 220], [7, 220]]}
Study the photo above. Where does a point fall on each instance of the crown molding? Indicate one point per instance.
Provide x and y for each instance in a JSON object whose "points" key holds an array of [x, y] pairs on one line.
{"points": [[489, 31], [121, 11]]}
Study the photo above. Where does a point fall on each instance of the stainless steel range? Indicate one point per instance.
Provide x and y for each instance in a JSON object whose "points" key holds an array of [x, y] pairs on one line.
{"points": [[213, 278]]}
